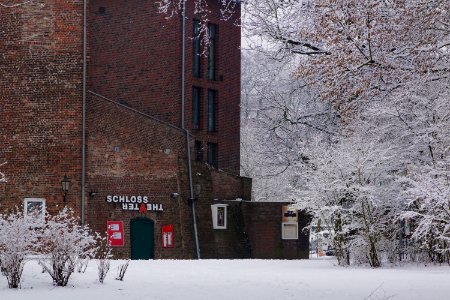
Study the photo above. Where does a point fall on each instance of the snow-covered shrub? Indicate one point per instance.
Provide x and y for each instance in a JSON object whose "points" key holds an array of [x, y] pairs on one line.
{"points": [[121, 270], [2, 175], [103, 258], [18, 237], [82, 264], [64, 241]]}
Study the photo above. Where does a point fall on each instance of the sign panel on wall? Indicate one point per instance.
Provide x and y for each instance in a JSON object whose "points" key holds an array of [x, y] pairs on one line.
{"points": [[289, 214], [115, 233], [219, 216], [289, 223], [167, 236], [134, 203]]}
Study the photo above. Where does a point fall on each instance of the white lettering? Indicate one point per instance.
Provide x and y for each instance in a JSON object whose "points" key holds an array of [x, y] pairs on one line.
{"points": [[121, 199], [124, 206], [160, 207], [155, 207], [145, 199], [133, 199], [108, 199], [138, 199], [115, 199]]}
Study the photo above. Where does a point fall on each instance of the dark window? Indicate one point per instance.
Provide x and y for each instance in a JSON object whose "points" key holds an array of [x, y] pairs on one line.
{"points": [[196, 54], [198, 151], [212, 30], [196, 107], [212, 110], [212, 155]]}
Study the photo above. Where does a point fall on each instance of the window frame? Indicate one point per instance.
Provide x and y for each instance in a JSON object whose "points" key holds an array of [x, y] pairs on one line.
{"points": [[196, 108], [212, 51], [198, 150], [213, 147], [212, 115], [196, 49]]}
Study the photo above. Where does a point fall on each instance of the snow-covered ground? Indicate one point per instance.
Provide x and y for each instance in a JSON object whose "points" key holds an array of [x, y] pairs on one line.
{"points": [[239, 279]]}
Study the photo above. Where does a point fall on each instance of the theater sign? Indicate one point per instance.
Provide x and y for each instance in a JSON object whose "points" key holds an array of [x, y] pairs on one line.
{"points": [[134, 203]]}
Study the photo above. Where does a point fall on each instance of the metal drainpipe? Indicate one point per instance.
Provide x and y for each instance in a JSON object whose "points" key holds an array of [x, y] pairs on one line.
{"points": [[186, 131], [83, 150]]}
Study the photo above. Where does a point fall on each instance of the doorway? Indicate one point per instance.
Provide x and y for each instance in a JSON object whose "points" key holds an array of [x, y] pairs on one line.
{"points": [[142, 238]]}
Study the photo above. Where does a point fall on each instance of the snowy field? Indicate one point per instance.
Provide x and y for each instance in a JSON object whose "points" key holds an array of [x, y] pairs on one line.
{"points": [[239, 279]]}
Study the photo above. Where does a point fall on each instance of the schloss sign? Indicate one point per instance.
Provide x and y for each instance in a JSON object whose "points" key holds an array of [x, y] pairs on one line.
{"points": [[134, 203]]}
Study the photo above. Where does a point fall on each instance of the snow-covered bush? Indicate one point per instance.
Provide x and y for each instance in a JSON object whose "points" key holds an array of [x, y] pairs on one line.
{"points": [[64, 241], [2, 175], [82, 264], [18, 237], [103, 258]]}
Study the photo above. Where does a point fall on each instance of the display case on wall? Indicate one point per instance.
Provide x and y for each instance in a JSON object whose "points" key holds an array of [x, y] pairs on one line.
{"points": [[219, 216]]}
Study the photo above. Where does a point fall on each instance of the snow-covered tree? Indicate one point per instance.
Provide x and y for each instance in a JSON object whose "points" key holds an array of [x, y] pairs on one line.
{"points": [[425, 117], [64, 241], [201, 7], [2, 175], [280, 117], [18, 237], [103, 257], [355, 51], [383, 67]]}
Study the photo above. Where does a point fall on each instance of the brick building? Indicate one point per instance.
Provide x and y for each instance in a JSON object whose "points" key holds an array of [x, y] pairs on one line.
{"points": [[107, 110]]}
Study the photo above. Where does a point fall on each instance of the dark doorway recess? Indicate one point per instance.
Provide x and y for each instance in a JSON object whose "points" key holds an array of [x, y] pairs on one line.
{"points": [[142, 238]]}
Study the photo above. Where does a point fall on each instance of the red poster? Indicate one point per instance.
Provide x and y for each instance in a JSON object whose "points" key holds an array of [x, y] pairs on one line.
{"points": [[115, 233], [167, 236]]}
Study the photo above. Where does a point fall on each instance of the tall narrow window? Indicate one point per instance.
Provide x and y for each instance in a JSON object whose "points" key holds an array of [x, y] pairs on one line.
{"points": [[196, 54], [212, 155], [198, 151], [212, 30], [196, 107], [212, 95]]}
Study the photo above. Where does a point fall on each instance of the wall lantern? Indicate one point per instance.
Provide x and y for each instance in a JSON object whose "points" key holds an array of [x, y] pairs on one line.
{"points": [[65, 184]]}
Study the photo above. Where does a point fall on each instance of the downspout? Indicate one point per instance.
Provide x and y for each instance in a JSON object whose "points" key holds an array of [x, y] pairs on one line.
{"points": [[83, 147], [186, 131]]}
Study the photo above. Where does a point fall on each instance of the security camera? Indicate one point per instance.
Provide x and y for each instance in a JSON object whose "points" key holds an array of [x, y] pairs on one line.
{"points": [[174, 195]]}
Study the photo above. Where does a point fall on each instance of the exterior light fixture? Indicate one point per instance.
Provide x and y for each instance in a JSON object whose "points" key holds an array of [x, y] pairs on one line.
{"points": [[65, 184]]}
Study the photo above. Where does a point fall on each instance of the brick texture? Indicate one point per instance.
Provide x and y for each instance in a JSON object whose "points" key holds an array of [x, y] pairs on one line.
{"points": [[40, 102], [263, 224], [135, 58]]}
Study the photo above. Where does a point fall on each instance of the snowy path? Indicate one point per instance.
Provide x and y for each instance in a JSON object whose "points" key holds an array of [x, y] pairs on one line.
{"points": [[239, 279]]}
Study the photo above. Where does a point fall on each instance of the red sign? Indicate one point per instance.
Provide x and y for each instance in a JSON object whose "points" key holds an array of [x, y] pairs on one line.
{"points": [[115, 233], [167, 236]]}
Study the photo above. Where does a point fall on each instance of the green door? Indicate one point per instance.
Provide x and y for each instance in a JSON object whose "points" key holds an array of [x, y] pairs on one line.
{"points": [[142, 239]]}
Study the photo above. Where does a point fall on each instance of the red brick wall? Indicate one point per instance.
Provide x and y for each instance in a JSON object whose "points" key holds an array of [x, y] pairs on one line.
{"points": [[135, 57], [129, 154], [263, 224], [40, 101]]}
